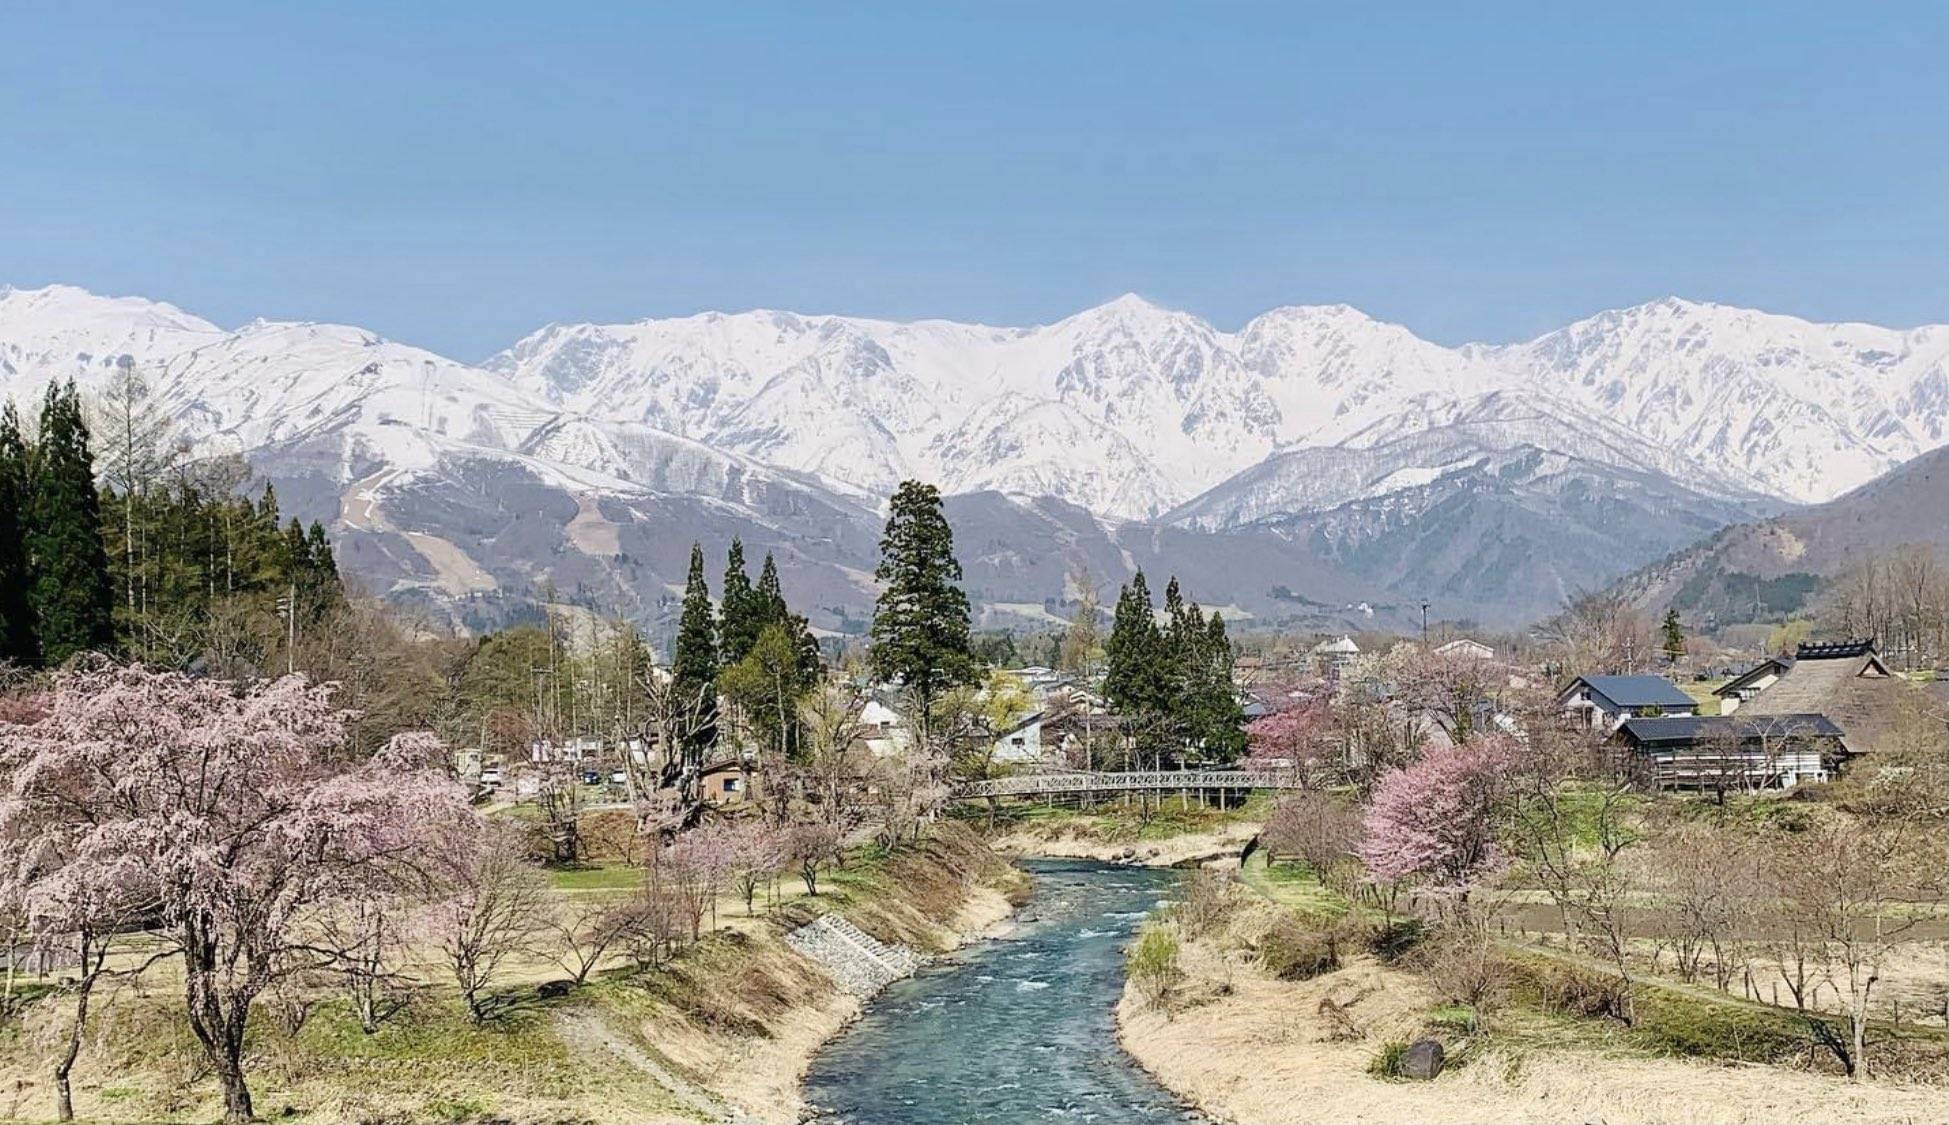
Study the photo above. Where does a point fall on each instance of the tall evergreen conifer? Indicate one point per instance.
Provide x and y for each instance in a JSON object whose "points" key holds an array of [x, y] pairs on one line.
{"points": [[1674, 631], [771, 596], [70, 591], [1136, 664], [920, 624], [740, 613], [694, 664], [1214, 718], [17, 640]]}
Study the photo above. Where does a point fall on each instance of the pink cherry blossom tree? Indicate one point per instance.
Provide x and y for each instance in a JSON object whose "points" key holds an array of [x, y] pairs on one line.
{"points": [[754, 851], [232, 815], [807, 846], [691, 869], [1297, 735], [497, 911], [1434, 819]]}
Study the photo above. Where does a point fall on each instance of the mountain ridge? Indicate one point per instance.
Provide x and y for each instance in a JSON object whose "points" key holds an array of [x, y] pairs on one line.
{"points": [[780, 428], [1773, 568], [1789, 407]]}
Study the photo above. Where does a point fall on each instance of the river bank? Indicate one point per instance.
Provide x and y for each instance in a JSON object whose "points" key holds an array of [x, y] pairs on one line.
{"points": [[764, 1077], [1172, 835], [1250, 1049], [723, 1032]]}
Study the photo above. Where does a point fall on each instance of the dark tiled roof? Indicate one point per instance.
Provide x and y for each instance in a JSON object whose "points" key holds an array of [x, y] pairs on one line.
{"points": [[1687, 729], [1834, 650], [1640, 691]]}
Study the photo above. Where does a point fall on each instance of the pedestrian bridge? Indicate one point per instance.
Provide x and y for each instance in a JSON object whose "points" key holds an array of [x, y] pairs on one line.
{"points": [[1131, 781]]}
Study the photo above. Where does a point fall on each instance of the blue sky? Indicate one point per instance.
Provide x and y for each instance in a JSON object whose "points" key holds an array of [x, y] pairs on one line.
{"points": [[457, 175]]}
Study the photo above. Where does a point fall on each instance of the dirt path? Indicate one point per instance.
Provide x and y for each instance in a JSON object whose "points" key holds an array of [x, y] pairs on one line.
{"points": [[587, 1032]]}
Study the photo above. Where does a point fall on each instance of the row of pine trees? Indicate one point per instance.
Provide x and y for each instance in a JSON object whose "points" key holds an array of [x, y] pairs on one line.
{"points": [[1172, 683], [751, 650], [1175, 679], [140, 571]]}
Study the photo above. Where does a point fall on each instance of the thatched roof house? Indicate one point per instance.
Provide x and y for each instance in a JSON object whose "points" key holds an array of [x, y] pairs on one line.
{"points": [[1848, 683]]}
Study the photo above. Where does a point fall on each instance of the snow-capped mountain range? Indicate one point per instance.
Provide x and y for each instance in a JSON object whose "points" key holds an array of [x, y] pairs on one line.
{"points": [[590, 455], [1129, 409]]}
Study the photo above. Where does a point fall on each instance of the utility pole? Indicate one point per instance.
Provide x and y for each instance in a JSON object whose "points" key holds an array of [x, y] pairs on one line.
{"points": [[290, 608], [1424, 623]]}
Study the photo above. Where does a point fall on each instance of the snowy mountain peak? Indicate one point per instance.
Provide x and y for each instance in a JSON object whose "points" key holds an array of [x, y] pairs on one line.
{"points": [[54, 309], [1156, 404], [1317, 422]]}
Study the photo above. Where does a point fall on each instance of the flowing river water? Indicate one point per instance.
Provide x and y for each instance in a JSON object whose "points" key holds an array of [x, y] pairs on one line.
{"points": [[1018, 1029]]}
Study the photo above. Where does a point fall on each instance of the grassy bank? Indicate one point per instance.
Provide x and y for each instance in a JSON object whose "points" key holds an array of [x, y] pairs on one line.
{"points": [[726, 1026], [1277, 1000]]}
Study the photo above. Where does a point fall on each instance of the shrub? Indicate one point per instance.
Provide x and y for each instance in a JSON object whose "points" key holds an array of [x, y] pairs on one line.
{"points": [[1294, 951], [1153, 962], [1386, 1062], [1393, 942], [1577, 991], [1209, 899], [1467, 970]]}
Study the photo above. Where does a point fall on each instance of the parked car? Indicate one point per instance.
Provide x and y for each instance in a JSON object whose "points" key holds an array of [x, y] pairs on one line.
{"points": [[491, 776], [618, 777], [591, 777]]}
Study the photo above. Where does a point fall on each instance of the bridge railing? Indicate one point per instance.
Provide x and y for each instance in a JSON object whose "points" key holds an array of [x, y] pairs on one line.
{"points": [[1079, 781]]}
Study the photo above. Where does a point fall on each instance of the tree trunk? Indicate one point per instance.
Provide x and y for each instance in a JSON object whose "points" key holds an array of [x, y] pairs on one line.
{"points": [[219, 1021], [90, 967], [236, 1094], [63, 1096], [1858, 1024]]}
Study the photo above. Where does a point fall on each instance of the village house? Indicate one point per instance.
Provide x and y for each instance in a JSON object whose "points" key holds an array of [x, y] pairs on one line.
{"points": [[885, 733], [1332, 658], [724, 783], [1744, 753], [573, 749], [1734, 693], [1847, 682], [1604, 702], [1464, 647], [1021, 744]]}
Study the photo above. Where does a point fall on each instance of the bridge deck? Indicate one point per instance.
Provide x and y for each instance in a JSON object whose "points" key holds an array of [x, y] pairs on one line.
{"points": [[1078, 781]]}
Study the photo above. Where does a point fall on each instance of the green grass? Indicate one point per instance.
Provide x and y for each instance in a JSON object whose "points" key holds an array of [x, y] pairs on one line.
{"points": [[1386, 1062], [1582, 811], [1701, 693], [1672, 1019], [617, 878], [436, 1030], [1759, 812], [1293, 885]]}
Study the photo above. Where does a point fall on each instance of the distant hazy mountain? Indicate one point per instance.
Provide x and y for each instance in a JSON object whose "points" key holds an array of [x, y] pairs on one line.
{"points": [[1770, 569], [1313, 465]]}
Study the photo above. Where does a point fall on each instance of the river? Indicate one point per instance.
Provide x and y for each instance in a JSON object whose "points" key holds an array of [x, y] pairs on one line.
{"points": [[1018, 1029]]}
